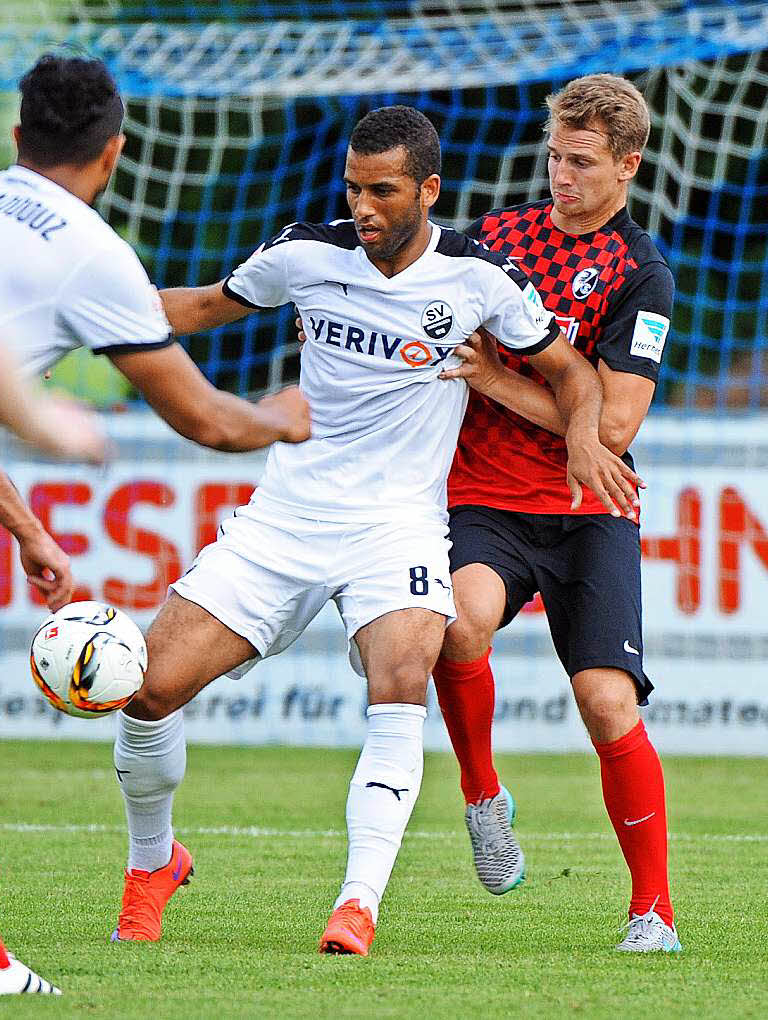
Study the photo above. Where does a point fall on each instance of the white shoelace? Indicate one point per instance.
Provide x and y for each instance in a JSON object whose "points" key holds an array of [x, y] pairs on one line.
{"points": [[479, 818], [641, 926]]}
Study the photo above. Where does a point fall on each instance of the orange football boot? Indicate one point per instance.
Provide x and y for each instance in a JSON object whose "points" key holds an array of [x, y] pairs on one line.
{"points": [[146, 894], [349, 930]]}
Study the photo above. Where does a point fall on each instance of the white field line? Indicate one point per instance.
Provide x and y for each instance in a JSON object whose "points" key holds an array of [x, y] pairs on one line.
{"points": [[258, 832]]}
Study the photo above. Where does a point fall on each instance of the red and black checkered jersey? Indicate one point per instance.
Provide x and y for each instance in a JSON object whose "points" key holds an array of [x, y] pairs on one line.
{"points": [[611, 292]]}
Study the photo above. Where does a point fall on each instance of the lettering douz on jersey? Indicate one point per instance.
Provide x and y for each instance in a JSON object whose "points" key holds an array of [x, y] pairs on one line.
{"points": [[384, 425], [611, 293], [36, 215], [67, 280]]}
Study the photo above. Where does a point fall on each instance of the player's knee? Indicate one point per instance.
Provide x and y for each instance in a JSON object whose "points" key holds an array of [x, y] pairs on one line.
{"points": [[608, 704], [404, 681], [152, 702], [467, 638]]}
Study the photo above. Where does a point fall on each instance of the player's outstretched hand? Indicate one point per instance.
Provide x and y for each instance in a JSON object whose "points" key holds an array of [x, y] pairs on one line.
{"points": [[480, 363], [288, 413], [47, 567], [70, 431], [592, 464]]}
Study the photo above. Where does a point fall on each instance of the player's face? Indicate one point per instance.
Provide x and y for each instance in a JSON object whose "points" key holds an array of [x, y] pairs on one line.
{"points": [[388, 206], [587, 183]]}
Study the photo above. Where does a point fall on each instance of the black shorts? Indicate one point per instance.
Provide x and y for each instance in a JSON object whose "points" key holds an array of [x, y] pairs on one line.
{"points": [[587, 568]]}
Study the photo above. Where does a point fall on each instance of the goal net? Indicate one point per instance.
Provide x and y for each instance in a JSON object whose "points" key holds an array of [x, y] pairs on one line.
{"points": [[238, 125]]}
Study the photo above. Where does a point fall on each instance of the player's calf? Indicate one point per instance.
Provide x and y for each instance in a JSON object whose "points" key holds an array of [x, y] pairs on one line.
{"points": [[382, 793], [397, 651]]}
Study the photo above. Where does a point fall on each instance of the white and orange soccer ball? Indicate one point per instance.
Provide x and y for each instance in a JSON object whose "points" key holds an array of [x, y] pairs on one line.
{"points": [[88, 659]]}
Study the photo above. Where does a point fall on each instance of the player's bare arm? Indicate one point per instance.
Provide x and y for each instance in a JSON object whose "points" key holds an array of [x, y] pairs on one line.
{"points": [[179, 392], [626, 397], [57, 426], [45, 564], [197, 309], [578, 395]]}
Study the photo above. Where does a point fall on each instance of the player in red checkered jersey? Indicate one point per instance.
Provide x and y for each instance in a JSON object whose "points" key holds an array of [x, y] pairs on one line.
{"points": [[515, 526]]}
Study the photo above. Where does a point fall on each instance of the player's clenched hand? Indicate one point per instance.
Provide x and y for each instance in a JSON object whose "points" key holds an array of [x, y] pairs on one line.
{"points": [[480, 365], [592, 464], [47, 567], [288, 413]]}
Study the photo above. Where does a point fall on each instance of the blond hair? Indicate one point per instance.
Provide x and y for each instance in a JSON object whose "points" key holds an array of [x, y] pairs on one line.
{"points": [[606, 101]]}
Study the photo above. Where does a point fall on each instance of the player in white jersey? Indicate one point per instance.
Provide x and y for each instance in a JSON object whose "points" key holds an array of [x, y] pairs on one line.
{"points": [[67, 280], [357, 514], [65, 430]]}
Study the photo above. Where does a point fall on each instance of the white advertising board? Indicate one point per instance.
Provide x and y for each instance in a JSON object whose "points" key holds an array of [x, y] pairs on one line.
{"points": [[137, 524]]}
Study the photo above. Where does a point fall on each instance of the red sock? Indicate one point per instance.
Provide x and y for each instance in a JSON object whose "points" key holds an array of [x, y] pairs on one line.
{"points": [[4, 961], [633, 790], [466, 695]]}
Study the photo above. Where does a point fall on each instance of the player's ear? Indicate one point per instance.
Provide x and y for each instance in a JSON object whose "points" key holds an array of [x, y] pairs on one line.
{"points": [[111, 152], [16, 133], [430, 191], [628, 165]]}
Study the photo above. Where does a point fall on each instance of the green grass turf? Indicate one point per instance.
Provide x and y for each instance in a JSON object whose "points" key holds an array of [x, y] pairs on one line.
{"points": [[241, 939]]}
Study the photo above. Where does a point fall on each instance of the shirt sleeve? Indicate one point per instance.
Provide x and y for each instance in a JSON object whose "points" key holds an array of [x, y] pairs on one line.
{"points": [[517, 316], [110, 306], [637, 322], [263, 280]]}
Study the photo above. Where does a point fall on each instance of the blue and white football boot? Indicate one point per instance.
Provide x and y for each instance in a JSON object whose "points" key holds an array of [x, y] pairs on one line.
{"points": [[499, 860], [649, 933]]}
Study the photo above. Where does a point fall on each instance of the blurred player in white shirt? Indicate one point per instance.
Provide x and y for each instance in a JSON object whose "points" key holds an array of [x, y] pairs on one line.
{"points": [[64, 430], [356, 515], [67, 280]]}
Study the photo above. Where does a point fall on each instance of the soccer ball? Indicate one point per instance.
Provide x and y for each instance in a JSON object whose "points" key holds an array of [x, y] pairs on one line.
{"points": [[88, 659]]}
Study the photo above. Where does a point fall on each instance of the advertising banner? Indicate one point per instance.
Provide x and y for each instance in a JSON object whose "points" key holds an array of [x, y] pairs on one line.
{"points": [[136, 525]]}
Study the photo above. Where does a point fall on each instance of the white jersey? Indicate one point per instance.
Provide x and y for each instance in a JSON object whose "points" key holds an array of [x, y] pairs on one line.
{"points": [[384, 426], [66, 279]]}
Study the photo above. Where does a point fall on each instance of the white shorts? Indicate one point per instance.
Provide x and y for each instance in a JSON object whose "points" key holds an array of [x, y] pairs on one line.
{"points": [[267, 578]]}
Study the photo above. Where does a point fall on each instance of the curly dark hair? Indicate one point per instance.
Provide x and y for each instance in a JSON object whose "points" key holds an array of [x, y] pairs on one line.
{"points": [[392, 126], [70, 108]]}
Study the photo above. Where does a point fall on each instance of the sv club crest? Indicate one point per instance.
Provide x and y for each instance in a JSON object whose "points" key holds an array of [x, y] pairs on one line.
{"points": [[437, 320]]}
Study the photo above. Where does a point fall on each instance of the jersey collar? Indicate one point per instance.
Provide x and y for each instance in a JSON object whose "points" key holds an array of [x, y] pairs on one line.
{"points": [[40, 182], [619, 218], [432, 243]]}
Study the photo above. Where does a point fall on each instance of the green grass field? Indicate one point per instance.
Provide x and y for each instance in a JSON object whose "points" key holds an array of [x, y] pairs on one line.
{"points": [[267, 831]]}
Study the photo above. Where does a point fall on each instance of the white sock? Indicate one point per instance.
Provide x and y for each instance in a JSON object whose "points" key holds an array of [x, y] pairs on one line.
{"points": [[150, 759], [382, 793]]}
